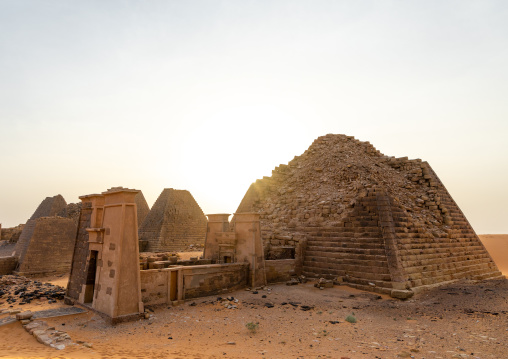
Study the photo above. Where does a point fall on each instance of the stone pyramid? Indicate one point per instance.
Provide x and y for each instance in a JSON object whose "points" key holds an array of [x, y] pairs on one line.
{"points": [[142, 206], [174, 222], [49, 207], [381, 223]]}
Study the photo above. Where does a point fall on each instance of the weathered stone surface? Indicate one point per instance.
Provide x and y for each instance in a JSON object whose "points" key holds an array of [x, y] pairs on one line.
{"points": [[78, 274], [174, 222], [72, 211], [24, 315], [401, 294], [11, 235], [142, 206], [51, 242], [50, 247], [7, 264], [378, 222]]}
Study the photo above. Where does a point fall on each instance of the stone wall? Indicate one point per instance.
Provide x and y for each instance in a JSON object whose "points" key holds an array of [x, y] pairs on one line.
{"points": [[385, 224], [78, 273], [72, 211], [196, 281], [7, 265], [50, 247], [12, 234], [24, 239], [174, 222], [280, 270]]}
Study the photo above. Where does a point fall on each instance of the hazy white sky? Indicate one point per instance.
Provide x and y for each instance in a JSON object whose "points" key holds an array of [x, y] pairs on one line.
{"points": [[211, 95]]}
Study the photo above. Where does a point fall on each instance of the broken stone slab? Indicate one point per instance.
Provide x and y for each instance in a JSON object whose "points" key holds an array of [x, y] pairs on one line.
{"points": [[34, 325], [58, 346], [24, 315], [324, 283], [401, 294], [43, 338], [38, 331], [338, 281], [293, 281]]}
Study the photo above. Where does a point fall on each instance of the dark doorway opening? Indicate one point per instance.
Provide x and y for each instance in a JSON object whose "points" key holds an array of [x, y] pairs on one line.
{"points": [[90, 277]]}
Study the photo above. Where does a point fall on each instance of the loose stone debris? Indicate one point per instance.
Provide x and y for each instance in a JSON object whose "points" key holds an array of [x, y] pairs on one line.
{"points": [[20, 290]]}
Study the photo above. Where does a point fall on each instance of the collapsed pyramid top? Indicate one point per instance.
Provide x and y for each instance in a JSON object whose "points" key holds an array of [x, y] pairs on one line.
{"points": [[332, 174], [50, 206]]}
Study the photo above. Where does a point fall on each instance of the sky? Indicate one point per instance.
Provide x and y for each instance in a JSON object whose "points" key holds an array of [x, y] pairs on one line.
{"points": [[208, 96]]}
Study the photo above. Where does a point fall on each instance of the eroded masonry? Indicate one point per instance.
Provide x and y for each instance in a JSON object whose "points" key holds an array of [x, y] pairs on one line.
{"points": [[174, 222], [44, 245], [383, 224]]}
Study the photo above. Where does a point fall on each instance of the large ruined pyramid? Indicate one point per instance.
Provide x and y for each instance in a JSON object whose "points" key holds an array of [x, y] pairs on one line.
{"points": [[382, 223], [174, 222]]}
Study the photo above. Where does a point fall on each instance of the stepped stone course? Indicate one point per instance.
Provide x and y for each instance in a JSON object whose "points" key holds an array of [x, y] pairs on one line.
{"points": [[50, 248], [382, 223], [72, 211], [50, 206], [174, 222], [142, 206]]}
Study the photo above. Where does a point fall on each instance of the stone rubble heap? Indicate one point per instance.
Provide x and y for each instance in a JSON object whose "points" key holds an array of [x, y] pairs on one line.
{"points": [[20, 290], [43, 333]]}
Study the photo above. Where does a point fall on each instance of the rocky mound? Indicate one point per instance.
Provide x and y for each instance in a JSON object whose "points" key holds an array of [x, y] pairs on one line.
{"points": [[321, 187]]}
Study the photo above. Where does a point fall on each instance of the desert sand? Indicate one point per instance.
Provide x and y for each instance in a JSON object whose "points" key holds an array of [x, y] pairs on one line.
{"points": [[497, 246], [461, 320]]}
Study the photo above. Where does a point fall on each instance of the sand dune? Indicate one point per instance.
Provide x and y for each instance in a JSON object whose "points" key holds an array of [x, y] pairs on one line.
{"points": [[497, 246]]}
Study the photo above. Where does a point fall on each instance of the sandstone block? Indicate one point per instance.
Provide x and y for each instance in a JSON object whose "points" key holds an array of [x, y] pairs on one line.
{"points": [[401, 294], [24, 315]]}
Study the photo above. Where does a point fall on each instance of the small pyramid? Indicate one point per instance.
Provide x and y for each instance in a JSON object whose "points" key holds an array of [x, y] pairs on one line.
{"points": [[174, 222], [384, 224], [142, 206], [50, 247], [49, 207]]}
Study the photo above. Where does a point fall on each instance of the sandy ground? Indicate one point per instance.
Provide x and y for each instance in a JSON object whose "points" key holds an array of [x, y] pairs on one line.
{"points": [[497, 246], [461, 320]]}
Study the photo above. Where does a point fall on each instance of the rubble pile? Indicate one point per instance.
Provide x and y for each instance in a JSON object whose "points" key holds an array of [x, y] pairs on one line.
{"points": [[322, 186], [21, 290]]}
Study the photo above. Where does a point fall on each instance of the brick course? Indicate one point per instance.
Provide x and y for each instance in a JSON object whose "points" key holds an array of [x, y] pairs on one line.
{"points": [[174, 222]]}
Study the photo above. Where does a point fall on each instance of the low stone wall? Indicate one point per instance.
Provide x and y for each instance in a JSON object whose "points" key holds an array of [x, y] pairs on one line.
{"points": [[154, 286], [193, 281], [200, 281], [7, 265], [279, 270]]}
